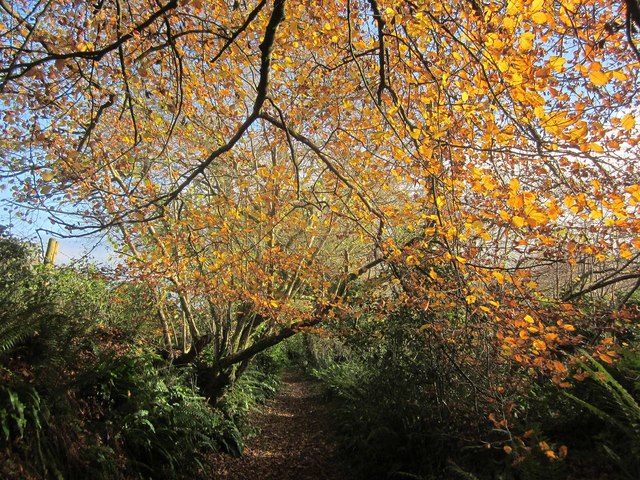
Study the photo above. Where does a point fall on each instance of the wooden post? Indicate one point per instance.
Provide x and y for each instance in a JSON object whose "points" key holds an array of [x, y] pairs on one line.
{"points": [[52, 252]]}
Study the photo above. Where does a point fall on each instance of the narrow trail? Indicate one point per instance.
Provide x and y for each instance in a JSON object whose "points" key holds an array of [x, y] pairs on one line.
{"points": [[294, 439]]}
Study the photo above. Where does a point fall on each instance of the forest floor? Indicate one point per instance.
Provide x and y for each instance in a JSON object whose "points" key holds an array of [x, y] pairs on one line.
{"points": [[294, 438]]}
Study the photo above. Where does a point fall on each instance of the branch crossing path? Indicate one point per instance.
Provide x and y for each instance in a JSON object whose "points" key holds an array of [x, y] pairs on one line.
{"points": [[294, 439]]}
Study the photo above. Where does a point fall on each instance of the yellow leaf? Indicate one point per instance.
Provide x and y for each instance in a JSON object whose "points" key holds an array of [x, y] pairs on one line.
{"points": [[557, 63], [526, 41], [598, 78], [625, 252], [536, 5], [628, 122], [617, 74], [517, 221], [470, 299], [539, 345], [499, 277], [569, 201], [47, 176], [529, 319], [478, 224], [537, 218], [539, 18], [596, 214], [515, 201]]}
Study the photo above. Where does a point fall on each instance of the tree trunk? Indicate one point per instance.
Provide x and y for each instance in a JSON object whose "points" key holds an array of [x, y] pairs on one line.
{"points": [[213, 383]]}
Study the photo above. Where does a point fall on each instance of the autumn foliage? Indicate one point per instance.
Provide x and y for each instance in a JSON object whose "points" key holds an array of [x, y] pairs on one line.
{"points": [[251, 160]]}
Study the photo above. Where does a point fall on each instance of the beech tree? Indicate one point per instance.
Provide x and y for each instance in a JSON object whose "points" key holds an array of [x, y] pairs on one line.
{"points": [[254, 158]]}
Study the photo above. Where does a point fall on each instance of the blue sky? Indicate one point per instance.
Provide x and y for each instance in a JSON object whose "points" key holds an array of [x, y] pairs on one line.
{"points": [[35, 226]]}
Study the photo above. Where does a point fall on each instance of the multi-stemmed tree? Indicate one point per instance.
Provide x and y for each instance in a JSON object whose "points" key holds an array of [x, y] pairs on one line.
{"points": [[253, 158]]}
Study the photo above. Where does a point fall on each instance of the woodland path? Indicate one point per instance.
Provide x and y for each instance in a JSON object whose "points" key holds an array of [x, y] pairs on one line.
{"points": [[294, 439]]}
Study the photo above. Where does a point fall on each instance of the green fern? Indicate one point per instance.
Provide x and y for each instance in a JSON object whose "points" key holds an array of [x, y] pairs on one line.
{"points": [[14, 331], [628, 412], [20, 314], [459, 472], [410, 476], [20, 411], [625, 418]]}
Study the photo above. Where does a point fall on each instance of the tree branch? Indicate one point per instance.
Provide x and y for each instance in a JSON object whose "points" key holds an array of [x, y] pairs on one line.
{"points": [[277, 16], [92, 54], [601, 284], [271, 340], [328, 163]]}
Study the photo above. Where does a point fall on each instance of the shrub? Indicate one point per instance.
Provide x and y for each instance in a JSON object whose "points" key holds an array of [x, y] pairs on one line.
{"points": [[78, 397]]}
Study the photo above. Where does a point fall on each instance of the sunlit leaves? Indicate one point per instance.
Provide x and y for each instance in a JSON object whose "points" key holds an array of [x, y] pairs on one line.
{"points": [[628, 122], [478, 152], [598, 78]]}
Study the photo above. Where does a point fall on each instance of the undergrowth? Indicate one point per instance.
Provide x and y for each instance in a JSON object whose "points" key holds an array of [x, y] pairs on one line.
{"points": [[401, 414], [82, 395]]}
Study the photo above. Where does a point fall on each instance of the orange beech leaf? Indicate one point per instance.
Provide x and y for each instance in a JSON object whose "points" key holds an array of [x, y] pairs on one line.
{"points": [[563, 451], [539, 345], [605, 358]]}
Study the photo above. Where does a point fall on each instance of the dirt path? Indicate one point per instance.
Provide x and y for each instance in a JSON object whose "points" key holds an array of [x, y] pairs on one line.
{"points": [[294, 439]]}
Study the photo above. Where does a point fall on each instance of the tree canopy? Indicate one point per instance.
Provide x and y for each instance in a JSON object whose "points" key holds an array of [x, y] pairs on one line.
{"points": [[253, 159]]}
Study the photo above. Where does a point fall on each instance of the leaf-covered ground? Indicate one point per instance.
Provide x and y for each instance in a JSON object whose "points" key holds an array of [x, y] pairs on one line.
{"points": [[294, 439]]}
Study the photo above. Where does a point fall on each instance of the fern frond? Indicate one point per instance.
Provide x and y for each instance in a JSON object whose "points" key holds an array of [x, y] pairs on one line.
{"points": [[625, 415], [456, 469], [15, 330], [629, 409], [595, 410]]}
